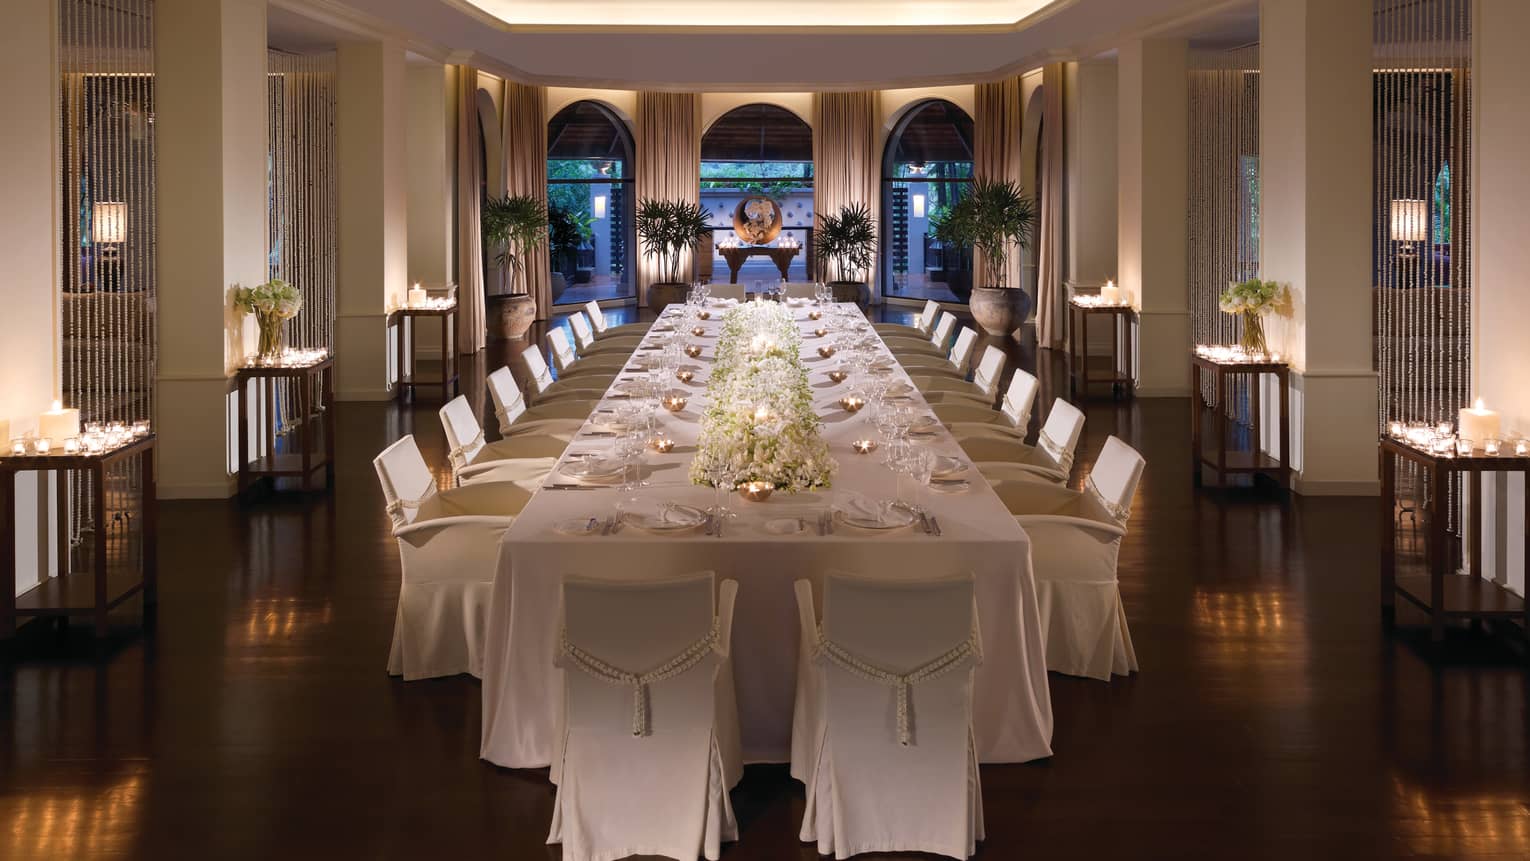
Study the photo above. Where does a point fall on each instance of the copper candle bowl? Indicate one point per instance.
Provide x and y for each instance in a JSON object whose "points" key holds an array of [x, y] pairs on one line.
{"points": [[698, 331], [839, 376], [852, 403], [685, 376], [703, 315], [820, 331], [755, 491], [662, 444], [864, 446], [826, 351], [815, 314], [693, 350], [674, 402]]}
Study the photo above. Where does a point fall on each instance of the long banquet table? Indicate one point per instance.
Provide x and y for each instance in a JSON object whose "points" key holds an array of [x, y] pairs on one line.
{"points": [[1012, 710]]}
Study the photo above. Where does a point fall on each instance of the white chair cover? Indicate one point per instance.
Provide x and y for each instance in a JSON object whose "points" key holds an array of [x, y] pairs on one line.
{"points": [[884, 714], [1076, 541], [586, 388], [448, 546], [555, 421], [563, 353], [526, 460], [985, 379], [1052, 455], [603, 327], [641, 770], [935, 345], [735, 292], [799, 290], [921, 324]]}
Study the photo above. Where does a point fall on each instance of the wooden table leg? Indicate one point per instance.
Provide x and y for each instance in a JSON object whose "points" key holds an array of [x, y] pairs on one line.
{"points": [[1388, 469], [1083, 362], [327, 380], [1437, 553], [1129, 369], [7, 554], [150, 525], [98, 498], [1195, 421], [1473, 547], [1285, 428], [243, 432], [446, 362], [302, 386], [1219, 423], [61, 512]]}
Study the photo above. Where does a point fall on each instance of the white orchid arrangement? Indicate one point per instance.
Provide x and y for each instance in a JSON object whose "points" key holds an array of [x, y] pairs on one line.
{"points": [[760, 421]]}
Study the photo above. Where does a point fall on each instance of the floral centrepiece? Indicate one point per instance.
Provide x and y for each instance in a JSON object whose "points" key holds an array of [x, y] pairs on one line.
{"points": [[1249, 300], [759, 425], [273, 304]]}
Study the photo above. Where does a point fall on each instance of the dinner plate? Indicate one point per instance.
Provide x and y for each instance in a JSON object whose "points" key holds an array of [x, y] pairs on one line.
{"points": [[888, 515], [899, 388], [947, 467], [598, 469], [950, 485], [578, 526], [925, 424], [663, 517]]}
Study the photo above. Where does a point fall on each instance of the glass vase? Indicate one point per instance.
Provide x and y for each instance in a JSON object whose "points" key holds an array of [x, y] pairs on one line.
{"points": [[1253, 332], [273, 337]]}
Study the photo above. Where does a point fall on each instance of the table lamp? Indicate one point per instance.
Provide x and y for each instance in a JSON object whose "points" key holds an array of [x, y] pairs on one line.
{"points": [[1410, 224], [108, 231]]}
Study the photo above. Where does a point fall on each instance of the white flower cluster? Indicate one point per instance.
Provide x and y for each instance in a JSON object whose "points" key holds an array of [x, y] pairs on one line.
{"points": [[275, 298], [1252, 296], [759, 423]]}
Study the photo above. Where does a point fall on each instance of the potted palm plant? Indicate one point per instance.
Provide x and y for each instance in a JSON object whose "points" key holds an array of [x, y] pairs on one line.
{"points": [[669, 228], [994, 218], [848, 240], [512, 227]]}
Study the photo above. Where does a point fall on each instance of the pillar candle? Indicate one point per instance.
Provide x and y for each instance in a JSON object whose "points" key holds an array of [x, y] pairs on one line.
{"points": [[1110, 294], [5, 431], [416, 296], [1477, 423], [59, 423]]}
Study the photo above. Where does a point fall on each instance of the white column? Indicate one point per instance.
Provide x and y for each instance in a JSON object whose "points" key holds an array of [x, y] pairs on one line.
{"points": [[1153, 98], [1315, 183], [432, 149], [373, 241], [1089, 104], [210, 115], [1501, 257], [29, 228]]}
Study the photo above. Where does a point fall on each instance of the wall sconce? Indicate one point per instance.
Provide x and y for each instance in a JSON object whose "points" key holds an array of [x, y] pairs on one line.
{"points": [[1410, 224], [917, 205], [599, 206]]}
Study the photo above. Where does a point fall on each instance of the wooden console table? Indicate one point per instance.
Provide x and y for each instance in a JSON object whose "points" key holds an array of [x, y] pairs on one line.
{"points": [[407, 355], [736, 255], [313, 386], [1213, 452], [1438, 591], [110, 581], [1119, 317]]}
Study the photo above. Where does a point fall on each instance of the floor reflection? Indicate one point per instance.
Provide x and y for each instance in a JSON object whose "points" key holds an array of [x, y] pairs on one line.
{"points": [[1452, 824], [93, 821]]}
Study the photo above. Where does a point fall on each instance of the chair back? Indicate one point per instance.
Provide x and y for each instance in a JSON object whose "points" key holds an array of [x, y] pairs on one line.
{"points": [[536, 368], [989, 369], [926, 318], [463, 433], [406, 480], [727, 291], [1019, 398], [897, 624], [583, 334], [799, 290], [597, 316], [1115, 476], [508, 403], [1059, 436], [563, 353], [961, 351], [945, 324]]}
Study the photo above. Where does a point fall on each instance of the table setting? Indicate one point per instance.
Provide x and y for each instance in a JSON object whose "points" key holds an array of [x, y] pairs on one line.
{"points": [[765, 459]]}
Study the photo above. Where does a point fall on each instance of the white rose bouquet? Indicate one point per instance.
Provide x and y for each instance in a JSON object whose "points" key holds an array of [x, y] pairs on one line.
{"points": [[1249, 300], [273, 304]]}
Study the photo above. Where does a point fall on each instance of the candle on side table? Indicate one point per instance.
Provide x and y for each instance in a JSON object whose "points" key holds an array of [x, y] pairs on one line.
{"points": [[1477, 422], [416, 296], [59, 423], [1110, 294]]}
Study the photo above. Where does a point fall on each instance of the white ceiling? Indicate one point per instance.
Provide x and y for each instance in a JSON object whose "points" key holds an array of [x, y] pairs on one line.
{"points": [[710, 13], [802, 50]]}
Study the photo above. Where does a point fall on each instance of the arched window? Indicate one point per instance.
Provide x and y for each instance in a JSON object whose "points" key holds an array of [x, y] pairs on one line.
{"points": [[589, 204], [926, 167], [757, 151]]}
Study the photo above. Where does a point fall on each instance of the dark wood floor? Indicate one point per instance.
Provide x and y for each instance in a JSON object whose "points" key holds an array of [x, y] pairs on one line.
{"points": [[1273, 717]]}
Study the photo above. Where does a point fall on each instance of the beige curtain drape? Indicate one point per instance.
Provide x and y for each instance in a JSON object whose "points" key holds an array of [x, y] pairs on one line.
{"points": [[668, 162], [471, 318], [1049, 234], [523, 135], [996, 156], [847, 168]]}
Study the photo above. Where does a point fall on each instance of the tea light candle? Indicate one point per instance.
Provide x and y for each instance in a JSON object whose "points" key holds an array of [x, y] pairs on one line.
{"points": [[94, 443], [1477, 422], [72, 445], [42, 445], [1521, 447], [1463, 446], [59, 423], [698, 331], [141, 428], [1395, 430], [1492, 447], [1110, 294], [852, 403], [693, 350], [685, 376], [703, 315], [674, 403], [662, 444], [1443, 429], [864, 446], [815, 314], [820, 331], [756, 491], [416, 296], [18, 447], [826, 351], [839, 376]]}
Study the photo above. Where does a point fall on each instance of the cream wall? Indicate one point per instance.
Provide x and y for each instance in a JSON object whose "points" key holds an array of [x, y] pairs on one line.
{"points": [[1089, 110], [432, 151], [28, 245], [714, 105], [622, 102]]}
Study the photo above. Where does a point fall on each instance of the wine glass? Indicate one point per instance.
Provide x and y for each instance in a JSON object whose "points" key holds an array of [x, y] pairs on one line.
{"points": [[723, 476], [629, 448], [921, 465]]}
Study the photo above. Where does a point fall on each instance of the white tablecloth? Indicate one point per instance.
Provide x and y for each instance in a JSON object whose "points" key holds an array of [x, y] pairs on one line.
{"points": [[1012, 711]]}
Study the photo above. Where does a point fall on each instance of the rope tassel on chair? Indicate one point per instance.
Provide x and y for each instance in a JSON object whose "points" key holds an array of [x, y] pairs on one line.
{"points": [[639, 682], [902, 683]]}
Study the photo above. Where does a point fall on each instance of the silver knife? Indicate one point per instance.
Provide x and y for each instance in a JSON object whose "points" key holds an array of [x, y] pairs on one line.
{"points": [[935, 522]]}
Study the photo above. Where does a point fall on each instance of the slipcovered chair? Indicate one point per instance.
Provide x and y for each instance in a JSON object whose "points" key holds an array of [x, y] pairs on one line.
{"points": [[882, 725], [921, 326], [448, 545], [587, 389], [648, 743], [980, 391], [526, 460], [1075, 542], [569, 364], [935, 345], [1051, 458], [799, 290], [735, 292], [559, 420], [956, 365], [604, 329], [1011, 420], [589, 344]]}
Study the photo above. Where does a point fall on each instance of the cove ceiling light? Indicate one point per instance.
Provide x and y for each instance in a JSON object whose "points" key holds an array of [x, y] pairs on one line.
{"points": [[785, 14]]}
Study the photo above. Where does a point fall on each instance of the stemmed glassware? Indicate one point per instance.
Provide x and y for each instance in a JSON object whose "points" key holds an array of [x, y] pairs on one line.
{"points": [[628, 446], [723, 476]]}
